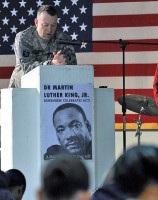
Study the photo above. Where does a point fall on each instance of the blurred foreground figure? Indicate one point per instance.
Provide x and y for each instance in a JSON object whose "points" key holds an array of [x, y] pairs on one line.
{"points": [[17, 183], [64, 179], [5, 194], [134, 176], [136, 172]]}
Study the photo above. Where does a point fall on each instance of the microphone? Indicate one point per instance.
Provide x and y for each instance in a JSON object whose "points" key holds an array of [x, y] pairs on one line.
{"points": [[70, 42]]}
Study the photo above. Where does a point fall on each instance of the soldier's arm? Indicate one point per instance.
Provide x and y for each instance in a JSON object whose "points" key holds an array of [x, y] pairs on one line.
{"points": [[24, 54]]}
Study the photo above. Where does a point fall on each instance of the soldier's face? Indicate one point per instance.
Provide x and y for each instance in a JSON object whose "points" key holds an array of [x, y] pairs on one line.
{"points": [[46, 25], [72, 131]]}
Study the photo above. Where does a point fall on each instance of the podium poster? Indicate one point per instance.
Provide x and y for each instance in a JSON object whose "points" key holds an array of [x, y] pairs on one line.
{"points": [[66, 120]]}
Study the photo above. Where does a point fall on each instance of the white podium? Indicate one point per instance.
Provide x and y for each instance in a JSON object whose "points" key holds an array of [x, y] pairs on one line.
{"points": [[27, 130]]}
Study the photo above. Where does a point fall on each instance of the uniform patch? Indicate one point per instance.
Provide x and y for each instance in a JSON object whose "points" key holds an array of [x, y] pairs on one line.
{"points": [[26, 53]]}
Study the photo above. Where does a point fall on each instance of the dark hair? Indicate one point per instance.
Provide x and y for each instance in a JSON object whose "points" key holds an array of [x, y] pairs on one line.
{"points": [[16, 178], [4, 180], [136, 168], [47, 8], [70, 105], [63, 177]]}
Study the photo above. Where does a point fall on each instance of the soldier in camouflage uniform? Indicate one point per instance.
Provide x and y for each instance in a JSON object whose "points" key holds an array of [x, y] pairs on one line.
{"points": [[38, 45]]}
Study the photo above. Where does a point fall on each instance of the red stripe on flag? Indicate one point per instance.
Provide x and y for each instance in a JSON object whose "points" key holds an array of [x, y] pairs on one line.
{"points": [[5, 72], [128, 21], [114, 46], [114, 70]]}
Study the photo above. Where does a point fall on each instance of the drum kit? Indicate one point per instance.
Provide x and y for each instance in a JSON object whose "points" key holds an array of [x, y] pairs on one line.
{"points": [[140, 104]]}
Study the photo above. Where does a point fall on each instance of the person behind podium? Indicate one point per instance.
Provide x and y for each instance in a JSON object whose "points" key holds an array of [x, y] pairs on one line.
{"points": [[73, 132], [39, 45]]}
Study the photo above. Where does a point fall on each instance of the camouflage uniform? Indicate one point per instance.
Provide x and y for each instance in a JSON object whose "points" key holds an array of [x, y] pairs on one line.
{"points": [[32, 51]]}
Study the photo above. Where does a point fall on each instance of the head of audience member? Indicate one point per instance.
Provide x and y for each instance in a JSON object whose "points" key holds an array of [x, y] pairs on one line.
{"points": [[64, 179], [5, 194], [4, 180], [17, 183], [73, 129], [46, 22], [136, 172]]}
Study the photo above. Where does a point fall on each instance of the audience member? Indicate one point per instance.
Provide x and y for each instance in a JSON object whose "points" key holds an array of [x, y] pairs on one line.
{"points": [[17, 183], [109, 190], [64, 179], [133, 176], [4, 179], [5, 194], [136, 172]]}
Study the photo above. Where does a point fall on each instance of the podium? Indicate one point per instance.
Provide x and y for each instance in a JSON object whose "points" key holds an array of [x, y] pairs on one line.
{"points": [[27, 130]]}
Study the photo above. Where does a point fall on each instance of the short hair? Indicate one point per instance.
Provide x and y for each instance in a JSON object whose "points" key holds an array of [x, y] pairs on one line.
{"points": [[70, 105], [136, 168], [64, 177], [4, 180], [47, 8], [16, 178]]}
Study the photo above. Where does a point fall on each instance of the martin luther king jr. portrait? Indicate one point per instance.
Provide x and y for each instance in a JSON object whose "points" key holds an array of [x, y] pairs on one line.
{"points": [[73, 131]]}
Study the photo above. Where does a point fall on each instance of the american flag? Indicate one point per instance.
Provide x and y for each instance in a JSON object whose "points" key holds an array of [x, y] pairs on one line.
{"points": [[96, 20]]}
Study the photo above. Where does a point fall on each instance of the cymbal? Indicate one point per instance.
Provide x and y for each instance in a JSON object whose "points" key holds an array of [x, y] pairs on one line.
{"points": [[140, 104]]}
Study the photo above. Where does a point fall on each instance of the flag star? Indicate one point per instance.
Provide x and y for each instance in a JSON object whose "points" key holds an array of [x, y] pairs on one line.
{"points": [[56, 2], [22, 20], [58, 20], [83, 45], [12, 46], [13, 12], [22, 3], [74, 2], [65, 10], [65, 28], [5, 38], [5, 4], [5, 21], [30, 11], [74, 36], [13, 29], [39, 3], [83, 27], [74, 19], [83, 9]]}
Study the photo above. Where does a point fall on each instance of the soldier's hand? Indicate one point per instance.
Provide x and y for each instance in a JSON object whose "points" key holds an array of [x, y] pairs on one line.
{"points": [[58, 59]]}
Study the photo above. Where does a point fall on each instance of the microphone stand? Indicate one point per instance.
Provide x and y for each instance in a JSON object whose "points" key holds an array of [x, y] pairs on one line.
{"points": [[123, 45], [139, 123]]}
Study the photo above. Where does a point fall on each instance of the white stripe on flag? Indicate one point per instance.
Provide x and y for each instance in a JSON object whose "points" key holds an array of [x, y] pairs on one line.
{"points": [[125, 8], [125, 33], [116, 57], [131, 82]]}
